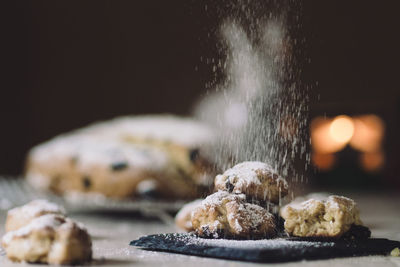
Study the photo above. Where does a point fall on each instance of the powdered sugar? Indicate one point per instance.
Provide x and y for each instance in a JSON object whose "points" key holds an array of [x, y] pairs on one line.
{"points": [[46, 221], [248, 173], [220, 197], [242, 216], [139, 143], [37, 207], [257, 107], [245, 172], [180, 130], [304, 203], [249, 244], [257, 215], [90, 151]]}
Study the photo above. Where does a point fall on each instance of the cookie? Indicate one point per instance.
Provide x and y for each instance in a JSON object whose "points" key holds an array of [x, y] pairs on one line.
{"points": [[331, 218], [226, 215], [183, 218], [51, 239], [112, 158], [21, 216], [257, 180]]}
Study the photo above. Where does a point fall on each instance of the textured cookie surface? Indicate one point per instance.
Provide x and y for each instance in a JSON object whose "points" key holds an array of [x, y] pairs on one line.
{"points": [[256, 180], [112, 158], [226, 215], [332, 217], [51, 239], [183, 218], [21, 216]]}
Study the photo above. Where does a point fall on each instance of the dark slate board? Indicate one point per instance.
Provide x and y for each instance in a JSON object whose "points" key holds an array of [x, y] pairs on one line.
{"points": [[275, 250]]}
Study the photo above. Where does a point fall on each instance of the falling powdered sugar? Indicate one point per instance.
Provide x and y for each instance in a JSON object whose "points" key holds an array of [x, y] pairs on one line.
{"points": [[259, 108]]}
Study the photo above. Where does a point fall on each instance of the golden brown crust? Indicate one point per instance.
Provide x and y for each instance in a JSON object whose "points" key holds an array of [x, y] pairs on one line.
{"points": [[321, 218]]}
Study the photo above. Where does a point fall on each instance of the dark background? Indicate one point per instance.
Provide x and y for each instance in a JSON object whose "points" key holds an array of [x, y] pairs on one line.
{"points": [[69, 63]]}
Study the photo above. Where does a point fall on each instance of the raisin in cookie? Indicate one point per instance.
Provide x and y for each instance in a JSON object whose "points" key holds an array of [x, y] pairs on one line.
{"points": [[223, 214], [112, 158], [186, 141], [256, 180], [183, 218], [51, 239], [332, 217], [21, 216]]}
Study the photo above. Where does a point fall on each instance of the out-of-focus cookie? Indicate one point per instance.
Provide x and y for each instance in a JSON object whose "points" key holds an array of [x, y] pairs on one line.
{"points": [[93, 165], [51, 239], [183, 218], [257, 180], [21, 216], [186, 141], [112, 158], [332, 217], [226, 215]]}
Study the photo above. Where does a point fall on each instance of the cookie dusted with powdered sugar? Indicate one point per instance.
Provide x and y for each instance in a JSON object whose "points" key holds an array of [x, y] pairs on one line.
{"points": [[21, 216], [112, 158], [183, 218], [51, 239], [226, 215], [331, 217], [257, 180]]}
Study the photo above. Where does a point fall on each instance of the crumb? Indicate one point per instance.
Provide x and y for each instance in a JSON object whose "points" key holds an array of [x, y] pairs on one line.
{"points": [[395, 252]]}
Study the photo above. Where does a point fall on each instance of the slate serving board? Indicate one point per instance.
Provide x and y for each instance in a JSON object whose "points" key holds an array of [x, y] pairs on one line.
{"points": [[275, 250]]}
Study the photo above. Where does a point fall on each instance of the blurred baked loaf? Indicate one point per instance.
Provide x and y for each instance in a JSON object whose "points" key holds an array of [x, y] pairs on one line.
{"points": [[115, 157]]}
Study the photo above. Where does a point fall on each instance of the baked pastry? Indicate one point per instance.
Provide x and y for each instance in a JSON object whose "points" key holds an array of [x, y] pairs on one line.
{"points": [[227, 215], [51, 239], [84, 164], [183, 218], [257, 180], [112, 158], [332, 217], [21, 216]]}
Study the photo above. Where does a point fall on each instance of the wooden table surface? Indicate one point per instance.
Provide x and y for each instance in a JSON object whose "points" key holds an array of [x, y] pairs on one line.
{"points": [[112, 232]]}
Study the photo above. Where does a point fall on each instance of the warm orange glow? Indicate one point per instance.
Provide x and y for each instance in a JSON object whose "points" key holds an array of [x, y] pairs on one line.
{"points": [[368, 134], [342, 129], [372, 161], [321, 139], [323, 161], [364, 133]]}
